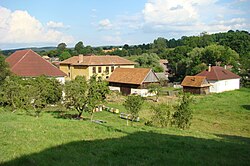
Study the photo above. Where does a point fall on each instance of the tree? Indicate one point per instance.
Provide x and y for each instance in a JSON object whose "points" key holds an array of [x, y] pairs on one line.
{"points": [[216, 53], [14, 93], [64, 55], [156, 89], [4, 69], [149, 61], [61, 47], [183, 115], [44, 91], [161, 115], [133, 104], [79, 47], [84, 95]]}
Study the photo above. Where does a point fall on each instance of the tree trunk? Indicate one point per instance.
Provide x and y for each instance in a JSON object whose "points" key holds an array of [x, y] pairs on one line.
{"points": [[92, 116], [80, 114]]}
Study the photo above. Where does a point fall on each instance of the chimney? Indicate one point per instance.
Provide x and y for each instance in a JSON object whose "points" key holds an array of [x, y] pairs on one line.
{"points": [[209, 67], [225, 67], [80, 57]]}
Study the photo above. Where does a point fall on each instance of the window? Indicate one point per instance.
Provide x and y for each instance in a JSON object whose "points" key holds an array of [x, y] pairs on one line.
{"points": [[68, 67], [69, 74], [99, 69], [94, 70], [107, 70], [112, 68]]}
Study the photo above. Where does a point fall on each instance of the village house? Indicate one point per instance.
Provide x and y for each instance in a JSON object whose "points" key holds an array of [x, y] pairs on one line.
{"points": [[221, 79], [27, 63], [195, 85], [101, 66], [132, 80]]}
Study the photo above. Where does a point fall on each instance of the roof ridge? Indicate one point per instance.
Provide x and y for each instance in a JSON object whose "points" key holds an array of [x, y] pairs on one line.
{"points": [[21, 59], [216, 73]]}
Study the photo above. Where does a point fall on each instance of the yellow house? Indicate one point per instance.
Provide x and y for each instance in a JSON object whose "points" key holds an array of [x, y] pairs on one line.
{"points": [[87, 66]]}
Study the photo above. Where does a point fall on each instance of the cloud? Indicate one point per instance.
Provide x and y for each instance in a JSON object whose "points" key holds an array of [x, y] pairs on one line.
{"points": [[193, 16], [105, 25], [56, 25], [19, 27]]}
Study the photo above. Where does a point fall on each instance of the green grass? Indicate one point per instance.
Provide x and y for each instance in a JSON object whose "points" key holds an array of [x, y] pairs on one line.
{"points": [[219, 135]]}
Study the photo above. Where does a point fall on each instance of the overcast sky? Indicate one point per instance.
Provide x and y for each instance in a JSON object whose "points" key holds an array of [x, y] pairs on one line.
{"points": [[27, 23]]}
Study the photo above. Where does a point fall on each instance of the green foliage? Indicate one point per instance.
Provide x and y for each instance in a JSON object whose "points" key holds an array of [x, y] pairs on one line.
{"points": [[84, 95], [14, 93], [149, 61], [183, 115], [64, 55], [133, 104], [4, 69], [161, 115], [44, 91], [61, 47], [37, 93], [79, 47]]}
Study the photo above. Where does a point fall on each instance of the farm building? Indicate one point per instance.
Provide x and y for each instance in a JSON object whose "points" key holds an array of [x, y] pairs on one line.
{"points": [[221, 79], [195, 85], [101, 66], [132, 80], [27, 63]]}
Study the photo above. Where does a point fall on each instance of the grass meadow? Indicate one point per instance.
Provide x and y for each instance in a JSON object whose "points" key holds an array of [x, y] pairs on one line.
{"points": [[219, 135]]}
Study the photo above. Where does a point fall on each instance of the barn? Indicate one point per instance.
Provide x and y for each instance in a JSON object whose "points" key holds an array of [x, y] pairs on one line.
{"points": [[132, 80], [195, 85]]}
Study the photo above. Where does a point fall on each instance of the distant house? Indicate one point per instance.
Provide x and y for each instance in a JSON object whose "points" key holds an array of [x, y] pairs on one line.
{"points": [[162, 78], [87, 66], [27, 63], [132, 80], [221, 79], [195, 85]]}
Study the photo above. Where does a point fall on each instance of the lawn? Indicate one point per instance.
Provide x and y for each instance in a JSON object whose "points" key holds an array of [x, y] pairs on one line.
{"points": [[219, 135]]}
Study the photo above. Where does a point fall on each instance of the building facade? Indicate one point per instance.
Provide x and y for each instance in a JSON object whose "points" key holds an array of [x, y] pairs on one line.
{"points": [[101, 66]]}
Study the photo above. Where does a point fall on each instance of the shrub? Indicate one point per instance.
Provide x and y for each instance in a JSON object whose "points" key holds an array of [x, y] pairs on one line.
{"points": [[161, 115], [183, 115]]}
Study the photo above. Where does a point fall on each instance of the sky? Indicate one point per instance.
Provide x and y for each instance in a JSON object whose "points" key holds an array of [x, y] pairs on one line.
{"points": [[32, 23]]}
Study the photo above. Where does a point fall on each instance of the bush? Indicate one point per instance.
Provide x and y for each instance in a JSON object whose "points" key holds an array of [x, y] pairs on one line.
{"points": [[161, 115], [133, 104], [183, 115]]}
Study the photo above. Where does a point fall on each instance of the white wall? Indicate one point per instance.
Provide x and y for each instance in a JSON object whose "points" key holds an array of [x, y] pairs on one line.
{"points": [[224, 85], [141, 92], [61, 79], [114, 88]]}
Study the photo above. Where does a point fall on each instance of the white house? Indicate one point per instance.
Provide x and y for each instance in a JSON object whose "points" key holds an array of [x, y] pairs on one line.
{"points": [[221, 79]]}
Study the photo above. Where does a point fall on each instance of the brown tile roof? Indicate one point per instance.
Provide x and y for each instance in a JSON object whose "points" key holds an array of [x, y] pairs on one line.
{"points": [[27, 63], [195, 81], [218, 73], [98, 60], [129, 75]]}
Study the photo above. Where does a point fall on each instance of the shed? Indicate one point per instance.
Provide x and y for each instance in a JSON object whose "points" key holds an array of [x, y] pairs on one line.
{"points": [[132, 80], [195, 85]]}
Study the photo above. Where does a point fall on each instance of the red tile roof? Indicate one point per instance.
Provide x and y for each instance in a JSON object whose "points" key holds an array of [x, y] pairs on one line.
{"points": [[218, 73], [27, 63], [195, 81], [98, 60], [129, 75]]}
